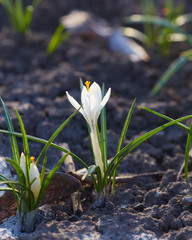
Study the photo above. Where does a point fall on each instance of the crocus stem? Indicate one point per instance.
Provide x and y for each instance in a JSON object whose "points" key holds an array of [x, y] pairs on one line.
{"points": [[96, 148]]}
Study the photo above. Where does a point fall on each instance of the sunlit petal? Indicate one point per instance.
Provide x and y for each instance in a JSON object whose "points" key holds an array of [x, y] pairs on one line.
{"points": [[106, 98], [36, 185], [73, 102], [84, 95], [23, 163], [96, 91]]}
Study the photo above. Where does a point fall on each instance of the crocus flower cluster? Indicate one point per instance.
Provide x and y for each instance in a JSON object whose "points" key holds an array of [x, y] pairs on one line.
{"points": [[33, 174]]}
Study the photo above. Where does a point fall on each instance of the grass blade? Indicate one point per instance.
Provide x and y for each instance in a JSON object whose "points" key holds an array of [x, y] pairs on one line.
{"points": [[123, 134], [172, 69], [24, 136], [43, 168], [25, 145], [131, 146], [43, 141], [56, 40], [49, 177], [13, 140], [52, 138], [19, 16], [104, 131], [18, 169], [126, 125], [28, 16], [187, 149], [185, 127]]}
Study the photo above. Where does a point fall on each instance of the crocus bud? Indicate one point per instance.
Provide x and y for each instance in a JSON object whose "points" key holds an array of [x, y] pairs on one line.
{"points": [[23, 163], [34, 173]]}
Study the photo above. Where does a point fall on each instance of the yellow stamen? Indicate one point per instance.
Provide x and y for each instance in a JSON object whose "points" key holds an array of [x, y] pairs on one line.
{"points": [[32, 159], [87, 83]]}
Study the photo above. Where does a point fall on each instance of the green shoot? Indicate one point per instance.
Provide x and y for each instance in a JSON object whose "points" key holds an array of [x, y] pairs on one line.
{"points": [[189, 138], [19, 17], [57, 39], [172, 69]]}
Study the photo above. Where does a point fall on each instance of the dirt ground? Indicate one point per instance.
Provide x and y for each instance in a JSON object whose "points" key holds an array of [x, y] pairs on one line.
{"points": [[150, 204]]}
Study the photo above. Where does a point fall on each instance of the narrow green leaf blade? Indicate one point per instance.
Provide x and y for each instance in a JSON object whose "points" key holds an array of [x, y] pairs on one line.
{"points": [[187, 149], [43, 167], [49, 177], [104, 131], [13, 140], [18, 169], [172, 69], [131, 146], [185, 127], [43, 141], [123, 134], [54, 135]]}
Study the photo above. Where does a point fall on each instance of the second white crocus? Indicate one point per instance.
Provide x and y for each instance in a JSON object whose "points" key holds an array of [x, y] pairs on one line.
{"points": [[92, 104]]}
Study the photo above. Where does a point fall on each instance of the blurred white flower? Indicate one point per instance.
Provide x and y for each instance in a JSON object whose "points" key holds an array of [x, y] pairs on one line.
{"points": [[92, 104]]}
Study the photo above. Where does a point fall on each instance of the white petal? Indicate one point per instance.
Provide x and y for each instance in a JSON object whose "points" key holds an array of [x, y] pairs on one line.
{"points": [[96, 91], [23, 163], [106, 98], [84, 95], [73, 102], [36, 185]]}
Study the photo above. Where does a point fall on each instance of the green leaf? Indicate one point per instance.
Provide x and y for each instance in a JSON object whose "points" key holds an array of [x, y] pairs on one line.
{"points": [[28, 17], [104, 131], [43, 141], [25, 145], [123, 134], [125, 127], [56, 40], [19, 16], [13, 140], [6, 189], [43, 167], [99, 179], [187, 149], [49, 177], [19, 171], [131, 146], [24, 135], [54, 135], [185, 127], [173, 68]]}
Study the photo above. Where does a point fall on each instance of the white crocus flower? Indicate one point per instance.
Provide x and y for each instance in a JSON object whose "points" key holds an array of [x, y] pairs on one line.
{"points": [[34, 174], [92, 104]]}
